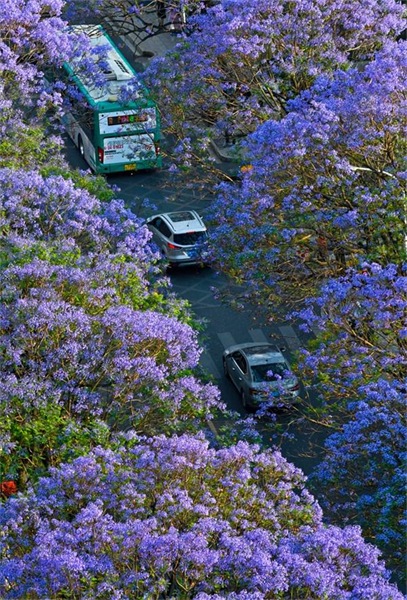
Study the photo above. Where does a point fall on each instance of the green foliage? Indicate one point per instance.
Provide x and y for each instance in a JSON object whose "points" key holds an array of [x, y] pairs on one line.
{"points": [[96, 185], [25, 146], [43, 436], [40, 250]]}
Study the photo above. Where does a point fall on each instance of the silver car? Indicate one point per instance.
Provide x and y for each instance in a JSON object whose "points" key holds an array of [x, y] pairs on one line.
{"points": [[261, 374], [180, 236]]}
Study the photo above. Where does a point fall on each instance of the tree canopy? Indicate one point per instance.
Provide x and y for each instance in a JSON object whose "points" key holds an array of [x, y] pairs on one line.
{"points": [[172, 518], [88, 328], [242, 61], [106, 490], [326, 185]]}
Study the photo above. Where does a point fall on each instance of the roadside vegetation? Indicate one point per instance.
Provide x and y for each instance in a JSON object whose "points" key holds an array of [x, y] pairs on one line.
{"points": [[108, 486]]}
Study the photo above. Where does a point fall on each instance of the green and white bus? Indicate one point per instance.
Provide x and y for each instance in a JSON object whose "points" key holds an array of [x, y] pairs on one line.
{"points": [[112, 136]]}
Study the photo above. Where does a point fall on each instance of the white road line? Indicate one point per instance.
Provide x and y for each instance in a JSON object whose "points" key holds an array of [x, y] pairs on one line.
{"points": [[226, 339], [258, 335], [290, 337], [209, 365]]}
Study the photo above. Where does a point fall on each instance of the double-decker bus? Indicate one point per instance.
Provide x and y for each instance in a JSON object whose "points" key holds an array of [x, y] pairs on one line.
{"points": [[112, 135]]}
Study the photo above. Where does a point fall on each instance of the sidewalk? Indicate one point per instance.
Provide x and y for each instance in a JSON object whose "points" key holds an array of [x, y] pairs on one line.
{"points": [[144, 50], [150, 48], [224, 152]]}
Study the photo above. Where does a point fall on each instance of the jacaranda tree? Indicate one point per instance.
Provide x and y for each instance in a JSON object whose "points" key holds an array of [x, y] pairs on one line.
{"points": [[34, 40], [362, 318], [89, 333], [172, 518], [32, 35], [359, 361], [325, 187], [362, 478], [243, 60]]}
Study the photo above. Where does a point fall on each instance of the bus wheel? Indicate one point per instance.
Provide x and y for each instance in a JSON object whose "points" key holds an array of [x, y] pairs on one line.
{"points": [[80, 146]]}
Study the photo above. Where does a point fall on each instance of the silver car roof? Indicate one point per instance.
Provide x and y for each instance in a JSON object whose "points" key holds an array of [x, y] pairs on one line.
{"points": [[185, 221]]}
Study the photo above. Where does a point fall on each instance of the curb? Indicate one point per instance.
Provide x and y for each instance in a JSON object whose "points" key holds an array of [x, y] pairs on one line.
{"points": [[221, 153]]}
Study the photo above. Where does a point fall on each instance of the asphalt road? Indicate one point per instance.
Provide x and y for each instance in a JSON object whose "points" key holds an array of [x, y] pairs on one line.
{"points": [[149, 192]]}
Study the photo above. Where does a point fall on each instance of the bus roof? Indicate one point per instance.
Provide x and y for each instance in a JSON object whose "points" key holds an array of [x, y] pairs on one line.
{"points": [[119, 73]]}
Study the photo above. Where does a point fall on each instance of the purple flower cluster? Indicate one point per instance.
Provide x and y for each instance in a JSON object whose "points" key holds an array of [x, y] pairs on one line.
{"points": [[326, 187], [254, 56], [368, 456], [362, 319], [33, 35], [360, 360], [88, 328], [170, 517]]}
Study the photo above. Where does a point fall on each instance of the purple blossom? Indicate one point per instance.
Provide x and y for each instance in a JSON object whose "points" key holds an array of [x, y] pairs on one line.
{"points": [[88, 328], [160, 515], [366, 456], [244, 60], [360, 316], [324, 190], [33, 36]]}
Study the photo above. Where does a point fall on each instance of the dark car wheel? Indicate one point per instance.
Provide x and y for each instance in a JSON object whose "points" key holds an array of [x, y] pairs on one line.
{"points": [[225, 369], [247, 405]]}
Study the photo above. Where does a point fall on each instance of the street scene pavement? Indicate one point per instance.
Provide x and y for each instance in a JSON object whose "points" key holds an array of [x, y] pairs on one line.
{"points": [[147, 193], [203, 302]]}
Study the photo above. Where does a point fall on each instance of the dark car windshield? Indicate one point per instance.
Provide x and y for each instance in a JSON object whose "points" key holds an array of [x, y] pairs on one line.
{"points": [[189, 238], [269, 372]]}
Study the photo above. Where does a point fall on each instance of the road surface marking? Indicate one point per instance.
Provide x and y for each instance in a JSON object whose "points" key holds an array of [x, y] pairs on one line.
{"points": [[290, 337], [258, 335], [226, 339]]}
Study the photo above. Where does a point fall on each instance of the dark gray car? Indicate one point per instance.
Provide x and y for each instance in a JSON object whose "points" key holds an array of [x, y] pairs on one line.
{"points": [[261, 374]]}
